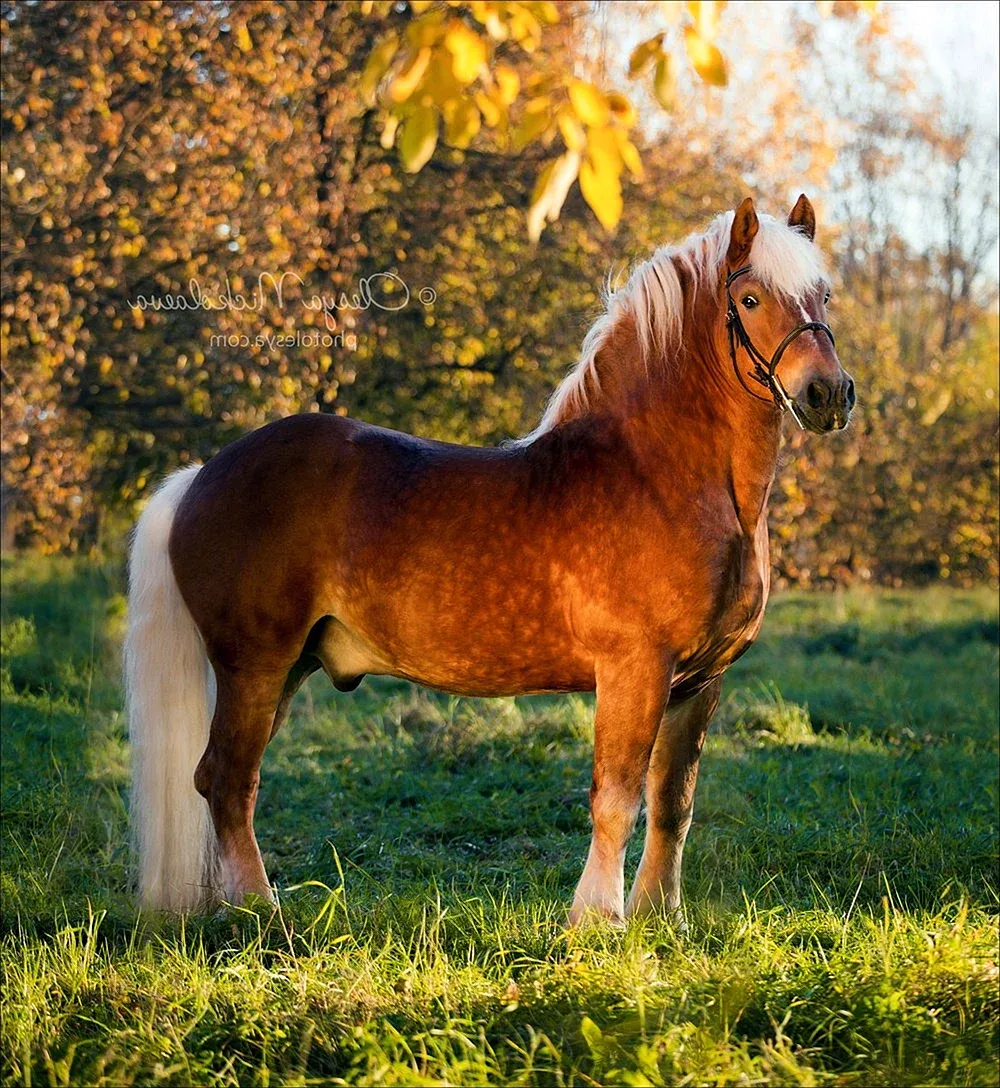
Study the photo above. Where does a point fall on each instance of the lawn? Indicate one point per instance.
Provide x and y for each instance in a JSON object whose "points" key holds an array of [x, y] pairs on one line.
{"points": [[841, 876]]}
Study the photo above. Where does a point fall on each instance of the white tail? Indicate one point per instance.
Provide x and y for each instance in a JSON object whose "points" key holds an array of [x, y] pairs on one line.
{"points": [[169, 691]]}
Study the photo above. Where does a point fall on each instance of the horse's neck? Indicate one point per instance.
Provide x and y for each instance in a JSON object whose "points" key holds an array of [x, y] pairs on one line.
{"points": [[695, 415]]}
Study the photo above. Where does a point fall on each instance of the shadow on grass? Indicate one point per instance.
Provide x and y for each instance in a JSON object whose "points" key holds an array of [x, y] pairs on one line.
{"points": [[786, 814], [883, 781]]}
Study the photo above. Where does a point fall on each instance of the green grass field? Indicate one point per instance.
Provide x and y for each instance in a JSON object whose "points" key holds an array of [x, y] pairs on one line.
{"points": [[841, 876]]}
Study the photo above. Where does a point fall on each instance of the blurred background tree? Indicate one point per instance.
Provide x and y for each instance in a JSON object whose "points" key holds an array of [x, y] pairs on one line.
{"points": [[489, 152]]}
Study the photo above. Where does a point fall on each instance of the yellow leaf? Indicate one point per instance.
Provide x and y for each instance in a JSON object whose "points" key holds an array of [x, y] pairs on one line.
{"points": [[426, 30], [461, 121], [644, 54], [550, 192], [547, 11], [419, 6], [468, 51], [406, 82], [572, 131], [934, 412], [486, 13], [590, 104], [629, 155], [418, 138], [375, 67], [665, 83], [524, 27], [622, 108], [439, 80], [601, 188], [539, 202], [602, 151], [706, 59], [488, 108], [243, 39], [508, 83], [537, 118], [388, 137], [366, 6], [706, 17]]}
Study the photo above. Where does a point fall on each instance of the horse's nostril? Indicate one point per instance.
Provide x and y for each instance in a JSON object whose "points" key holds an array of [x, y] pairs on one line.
{"points": [[850, 393], [817, 394]]}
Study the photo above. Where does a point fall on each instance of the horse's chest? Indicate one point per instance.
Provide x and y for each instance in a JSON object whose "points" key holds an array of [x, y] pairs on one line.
{"points": [[733, 619]]}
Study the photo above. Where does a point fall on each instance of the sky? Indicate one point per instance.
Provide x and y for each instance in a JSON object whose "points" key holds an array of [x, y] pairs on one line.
{"points": [[958, 40], [956, 36]]}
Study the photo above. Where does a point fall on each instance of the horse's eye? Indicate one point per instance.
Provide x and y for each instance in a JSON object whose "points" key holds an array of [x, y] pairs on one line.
{"points": [[826, 299], [749, 302]]}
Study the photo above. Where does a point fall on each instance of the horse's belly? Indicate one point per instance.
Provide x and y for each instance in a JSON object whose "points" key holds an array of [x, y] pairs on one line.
{"points": [[469, 652]]}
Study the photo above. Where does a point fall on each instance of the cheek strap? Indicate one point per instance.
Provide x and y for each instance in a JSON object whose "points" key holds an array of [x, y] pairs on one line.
{"points": [[765, 371]]}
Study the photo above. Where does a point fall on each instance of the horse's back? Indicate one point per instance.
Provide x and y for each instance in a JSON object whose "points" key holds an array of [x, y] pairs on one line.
{"points": [[311, 513]]}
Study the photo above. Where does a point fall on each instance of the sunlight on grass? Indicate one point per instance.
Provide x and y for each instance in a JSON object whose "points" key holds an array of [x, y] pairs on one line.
{"points": [[840, 880]]}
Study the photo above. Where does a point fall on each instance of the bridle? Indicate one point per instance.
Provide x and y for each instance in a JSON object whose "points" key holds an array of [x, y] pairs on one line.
{"points": [[765, 371]]}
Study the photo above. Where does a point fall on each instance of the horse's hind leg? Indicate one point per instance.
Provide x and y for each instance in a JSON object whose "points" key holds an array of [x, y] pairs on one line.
{"points": [[229, 773], [670, 784], [306, 665]]}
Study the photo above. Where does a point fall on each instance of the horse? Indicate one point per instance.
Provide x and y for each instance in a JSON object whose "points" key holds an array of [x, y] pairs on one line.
{"points": [[621, 547]]}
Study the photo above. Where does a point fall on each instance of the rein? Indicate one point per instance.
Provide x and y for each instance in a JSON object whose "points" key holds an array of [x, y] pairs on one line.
{"points": [[765, 371]]}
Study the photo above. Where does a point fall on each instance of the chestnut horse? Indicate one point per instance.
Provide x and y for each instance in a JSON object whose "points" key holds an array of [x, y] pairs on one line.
{"points": [[621, 547]]}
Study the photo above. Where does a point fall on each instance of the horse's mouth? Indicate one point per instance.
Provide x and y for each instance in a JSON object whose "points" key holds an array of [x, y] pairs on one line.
{"points": [[825, 422]]}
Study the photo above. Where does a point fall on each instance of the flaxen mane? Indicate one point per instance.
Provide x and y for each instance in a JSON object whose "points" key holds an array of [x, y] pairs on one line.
{"points": [[783, 258]]}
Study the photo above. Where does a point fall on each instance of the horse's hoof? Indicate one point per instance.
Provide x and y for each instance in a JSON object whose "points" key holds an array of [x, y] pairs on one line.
{"points": [[255, 902], [673, 916], [586, 916]]}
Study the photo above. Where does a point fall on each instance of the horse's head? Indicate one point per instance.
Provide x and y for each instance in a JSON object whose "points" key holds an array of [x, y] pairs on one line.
{"points": [[779, 343]]}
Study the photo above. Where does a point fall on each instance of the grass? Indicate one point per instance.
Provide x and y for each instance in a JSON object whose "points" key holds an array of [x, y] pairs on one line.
{"points": [[840, 880]]}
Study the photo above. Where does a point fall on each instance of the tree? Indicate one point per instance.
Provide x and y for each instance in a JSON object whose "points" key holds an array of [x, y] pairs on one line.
{"points": [[249, 155], [445, 69]]}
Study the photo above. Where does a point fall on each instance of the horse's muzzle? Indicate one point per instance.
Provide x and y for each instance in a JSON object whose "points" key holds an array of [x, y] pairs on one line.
{"points": [[826, 406]]}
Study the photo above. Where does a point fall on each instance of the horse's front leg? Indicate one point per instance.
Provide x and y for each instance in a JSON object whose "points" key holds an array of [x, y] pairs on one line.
{"points": [[670, 784], [631, 695]]}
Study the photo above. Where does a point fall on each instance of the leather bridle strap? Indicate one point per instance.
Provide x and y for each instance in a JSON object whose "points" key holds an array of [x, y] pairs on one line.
{"points": [[765, 371]]}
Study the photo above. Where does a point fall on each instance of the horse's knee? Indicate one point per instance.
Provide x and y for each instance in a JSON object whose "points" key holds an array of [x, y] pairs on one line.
{"points": [[672, 823], [614, 806]]}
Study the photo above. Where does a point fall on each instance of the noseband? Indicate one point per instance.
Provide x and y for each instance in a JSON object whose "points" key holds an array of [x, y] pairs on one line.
{"points": [[765, 371]]}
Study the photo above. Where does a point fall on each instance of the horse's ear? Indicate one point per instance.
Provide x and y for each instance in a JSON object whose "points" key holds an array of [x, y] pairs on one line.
{"points": [[743, 232], [803, 217]]}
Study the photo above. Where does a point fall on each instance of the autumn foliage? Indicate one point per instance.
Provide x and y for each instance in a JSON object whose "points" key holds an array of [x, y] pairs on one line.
{"points": [[479, 163]]}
